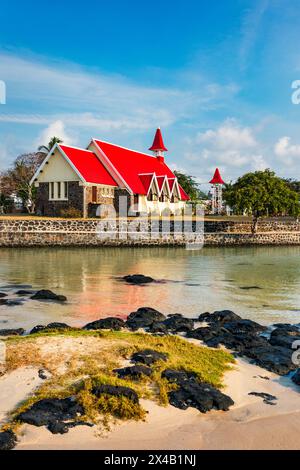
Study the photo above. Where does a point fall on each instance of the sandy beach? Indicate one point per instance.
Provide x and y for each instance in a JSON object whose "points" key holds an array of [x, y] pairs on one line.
{"points": [[249, 424]]}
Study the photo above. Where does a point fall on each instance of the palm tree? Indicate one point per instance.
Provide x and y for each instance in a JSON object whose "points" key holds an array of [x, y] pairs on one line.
{"points": [[46, 148]]}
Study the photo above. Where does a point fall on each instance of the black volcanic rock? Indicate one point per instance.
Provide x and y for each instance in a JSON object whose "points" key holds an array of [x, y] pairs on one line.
{"points": [[134, 372], [296, 377], [190, 392], [267, 398], [50, 327], [25, 292], [117, 391], [243, 337], [158, 327], [11, 302], [178, 376], [8, 440], [244, 326], [12, 332], [250, 287], [148, 356], [48, 295], [37, 329], [109, 323], [273, 358], [200, 395], [54, 413], [137, 279], [219, 317], [144, 317], [285, 336], [177, 323]]}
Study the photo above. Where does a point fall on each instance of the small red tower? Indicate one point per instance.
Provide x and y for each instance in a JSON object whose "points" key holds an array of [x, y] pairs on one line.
{"points": [[217, 200], [158, 146]]}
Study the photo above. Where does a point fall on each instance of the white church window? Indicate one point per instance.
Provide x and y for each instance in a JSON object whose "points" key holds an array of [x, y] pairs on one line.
{"points": [[58, 191]]}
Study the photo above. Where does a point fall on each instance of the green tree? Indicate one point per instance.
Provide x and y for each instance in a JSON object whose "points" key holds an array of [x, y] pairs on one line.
{"points": [[262, 193], [293, 184], [4, 203], [16, 179], [46, 148], [190, 186]]}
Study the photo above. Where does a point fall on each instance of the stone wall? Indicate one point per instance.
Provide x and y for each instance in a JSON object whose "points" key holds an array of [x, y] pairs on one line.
{"points": [[56, 232], [53, 208], [232, 226]]}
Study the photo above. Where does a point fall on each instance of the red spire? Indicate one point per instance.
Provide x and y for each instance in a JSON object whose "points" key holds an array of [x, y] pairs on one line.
{"points": [[217, 179], [158, 143]]}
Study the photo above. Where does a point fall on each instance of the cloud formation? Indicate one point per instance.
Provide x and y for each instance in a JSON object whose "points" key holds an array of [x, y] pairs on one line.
{"points": [[287, 152], [230, 146]]}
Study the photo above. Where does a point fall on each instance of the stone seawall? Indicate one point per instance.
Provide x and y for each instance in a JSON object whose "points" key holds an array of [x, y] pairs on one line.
{"points": [[45, 239], [53, 232], [232, 226]]}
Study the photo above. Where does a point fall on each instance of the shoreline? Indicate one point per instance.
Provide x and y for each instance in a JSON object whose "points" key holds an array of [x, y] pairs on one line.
{"points": [[250, 424], [217, 381]]}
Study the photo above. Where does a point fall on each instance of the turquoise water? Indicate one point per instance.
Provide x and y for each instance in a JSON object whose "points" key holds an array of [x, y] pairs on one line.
{"points": [[194, 282]]}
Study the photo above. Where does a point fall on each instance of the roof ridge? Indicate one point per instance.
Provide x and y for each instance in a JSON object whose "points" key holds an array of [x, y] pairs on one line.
{"points": [[73, 147], [125, 148]]}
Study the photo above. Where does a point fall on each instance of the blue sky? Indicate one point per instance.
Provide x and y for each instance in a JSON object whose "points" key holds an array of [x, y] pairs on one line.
{"points": [[216, 76]]}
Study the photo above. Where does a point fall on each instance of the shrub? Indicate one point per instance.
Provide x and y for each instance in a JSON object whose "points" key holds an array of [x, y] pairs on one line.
{"points": [[71, 213]]}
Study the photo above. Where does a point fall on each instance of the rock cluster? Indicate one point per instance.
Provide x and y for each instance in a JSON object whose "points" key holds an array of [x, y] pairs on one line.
{"points": [[109, 323], [117, 391], [48, 295], [192, 393], [8, 440], [50, 327], [12, 332], [244, 337], [58, 415], [296, 377], [138, 279], [148, 356], [133, 372]]}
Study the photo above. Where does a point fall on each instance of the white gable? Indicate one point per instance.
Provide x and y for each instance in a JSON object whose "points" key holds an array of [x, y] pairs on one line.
{"points": [[57, 169]]}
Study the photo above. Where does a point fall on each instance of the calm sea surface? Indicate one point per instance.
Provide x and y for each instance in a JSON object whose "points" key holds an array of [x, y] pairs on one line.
{"points": [[194, 282]]}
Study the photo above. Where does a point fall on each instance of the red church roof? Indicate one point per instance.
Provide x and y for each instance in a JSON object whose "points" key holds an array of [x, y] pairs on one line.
{"points": [[158, 143], [160, 181], [146, 181], [183, 195], [88, 165], [131, 165], [217, 179]]}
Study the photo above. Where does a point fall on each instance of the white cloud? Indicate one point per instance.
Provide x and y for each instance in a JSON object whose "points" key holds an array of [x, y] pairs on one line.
{"points": [[231, 147], [286, 152], [55, 129], [229, 136], [90, 103], [92, 98]]}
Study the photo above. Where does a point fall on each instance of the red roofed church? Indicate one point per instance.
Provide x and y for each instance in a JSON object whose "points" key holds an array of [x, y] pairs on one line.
{"points": [[94, 178]]}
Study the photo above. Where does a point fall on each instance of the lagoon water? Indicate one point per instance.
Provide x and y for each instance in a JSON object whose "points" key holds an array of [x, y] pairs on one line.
{"points": [[261, 283]]}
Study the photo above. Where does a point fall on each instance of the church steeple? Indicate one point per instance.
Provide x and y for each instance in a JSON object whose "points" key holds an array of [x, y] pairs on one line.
{"points": [[158, 146]]}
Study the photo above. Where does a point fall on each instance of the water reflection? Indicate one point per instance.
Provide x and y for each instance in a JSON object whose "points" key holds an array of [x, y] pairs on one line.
{"points": [[213, 278]]}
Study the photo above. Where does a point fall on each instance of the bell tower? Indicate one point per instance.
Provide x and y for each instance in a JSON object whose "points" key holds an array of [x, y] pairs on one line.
{"points": [[158, 146]]}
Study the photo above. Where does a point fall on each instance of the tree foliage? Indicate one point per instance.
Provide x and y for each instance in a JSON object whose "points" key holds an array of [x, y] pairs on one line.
{"points": [[16, 179], [46, 148], [293, 184], [262, 193], [190, 186]]}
